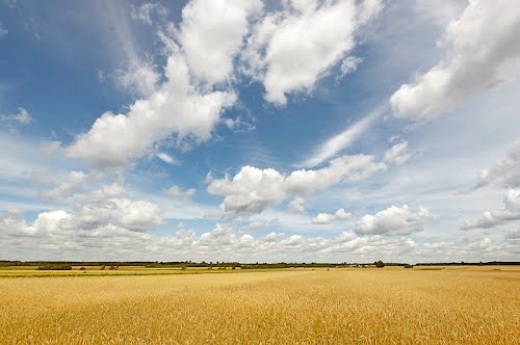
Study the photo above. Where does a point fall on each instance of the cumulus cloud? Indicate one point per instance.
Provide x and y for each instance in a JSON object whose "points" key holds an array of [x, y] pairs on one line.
{"points": [[505, 173], [327, 218], [116, 215], [66, 188], [252, 190], [176, 191], [478, 48], [138, 77], [13, 224], [176, 107], [296, 205], [273, 236], [22, 117], [290, 49], [479, 245], [394, 221], [220, 235], [489, 219], [212, 33], [107, 210], [52, 236], [109, 206]]}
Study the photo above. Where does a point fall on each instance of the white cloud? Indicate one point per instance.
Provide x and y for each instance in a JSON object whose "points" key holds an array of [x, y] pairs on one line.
{"points": [[146, 11], [138, 215], [346, 168], [67, 188], [239, 125], [252, 190], [344, 139], [220, 235], [296, 205], [327, 218], [106, 211], [121, 213], [14, 224], [55, 235], [490, 219], [273, 236], [136, 71], [349, 65], [138, 77], [167, 158], [230, 123], [505, 172], [104, 192], [291, 49], [90, 218], [258, 225], [177, 107], [211, 35], [397, 154], [369, 9], [439, 14], [394, 221], [478, 49], [176, 191], [22, 117]]}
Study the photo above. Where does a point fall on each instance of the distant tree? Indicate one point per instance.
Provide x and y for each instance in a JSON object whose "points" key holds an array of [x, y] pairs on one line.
{"points": [[55, 267], [379, 264]]}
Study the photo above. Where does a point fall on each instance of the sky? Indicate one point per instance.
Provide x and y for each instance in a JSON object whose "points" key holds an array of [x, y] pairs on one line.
{"points": [[260, 131]]}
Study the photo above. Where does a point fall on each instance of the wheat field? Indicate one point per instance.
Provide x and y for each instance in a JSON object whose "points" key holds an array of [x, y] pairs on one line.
{"points": [[336, 306]]}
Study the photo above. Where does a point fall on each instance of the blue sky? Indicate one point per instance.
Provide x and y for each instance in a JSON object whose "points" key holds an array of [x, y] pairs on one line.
{"points": [[260, 131]]}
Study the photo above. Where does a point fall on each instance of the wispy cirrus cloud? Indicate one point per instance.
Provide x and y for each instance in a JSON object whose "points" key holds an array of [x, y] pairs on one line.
{"points": [[343, 140]]}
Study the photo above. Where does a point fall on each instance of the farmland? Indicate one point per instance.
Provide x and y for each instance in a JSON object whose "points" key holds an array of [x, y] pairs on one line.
{"points": [[464, 305]]}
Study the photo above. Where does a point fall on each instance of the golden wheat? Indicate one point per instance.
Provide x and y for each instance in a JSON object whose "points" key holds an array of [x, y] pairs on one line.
{"points": [[357, 306]]}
